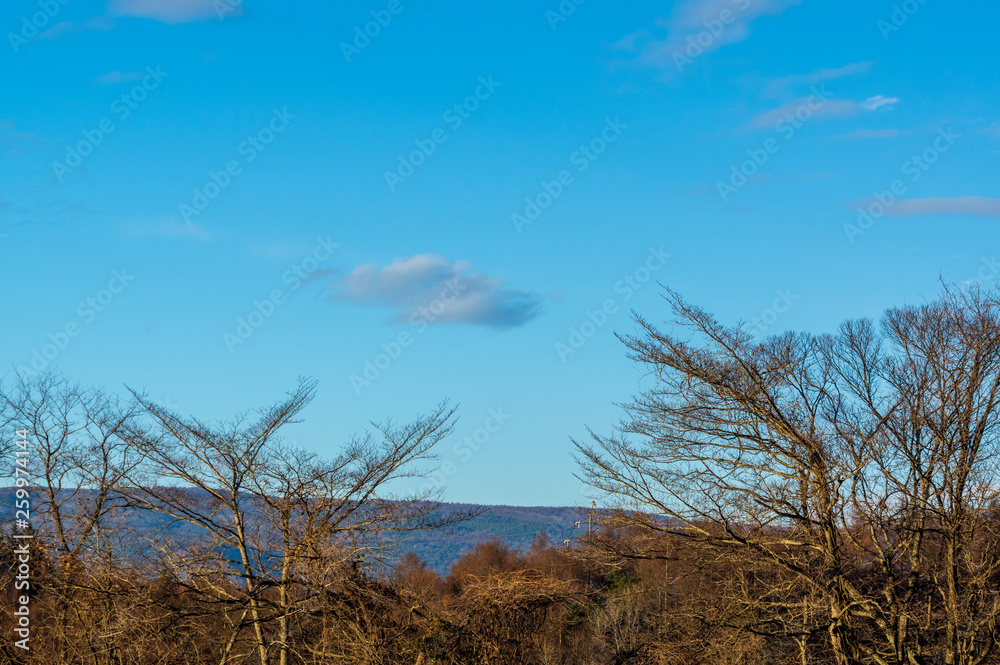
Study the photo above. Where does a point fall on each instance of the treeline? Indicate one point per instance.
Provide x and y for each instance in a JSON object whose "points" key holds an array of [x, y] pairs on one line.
{"points": [[270, 531], [830, 499], [670, 602], [548, 605], [163, 539]]}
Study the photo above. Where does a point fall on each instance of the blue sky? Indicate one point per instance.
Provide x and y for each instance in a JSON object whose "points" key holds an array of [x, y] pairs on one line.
{"points": [[205, 199]]}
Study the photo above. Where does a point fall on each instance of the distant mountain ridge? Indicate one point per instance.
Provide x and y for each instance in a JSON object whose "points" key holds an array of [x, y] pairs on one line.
{"points": [[515, 526]]}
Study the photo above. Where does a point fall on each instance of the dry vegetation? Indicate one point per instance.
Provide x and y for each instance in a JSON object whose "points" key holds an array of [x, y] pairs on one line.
{"points": [[804, 499]]}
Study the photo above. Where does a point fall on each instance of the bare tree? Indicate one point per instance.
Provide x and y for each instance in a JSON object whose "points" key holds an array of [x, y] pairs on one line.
{"points": [[76, 457], [75, 460], [281, 521], [859, 466], [506, 612]]}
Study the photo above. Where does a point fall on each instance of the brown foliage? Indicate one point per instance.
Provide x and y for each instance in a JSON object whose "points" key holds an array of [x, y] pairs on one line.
{"points": [[830, 500]]}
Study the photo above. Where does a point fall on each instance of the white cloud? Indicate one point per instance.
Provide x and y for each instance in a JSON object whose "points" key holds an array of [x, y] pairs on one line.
{"points": [[172, 11], [871, 134], [878, 101], [453, 292], [979, 206], [779, 87], [98, 23], [120, 77], [631, 41], [834, 108], [812, 107], [279, 250], [732, 20], [167, 229]]}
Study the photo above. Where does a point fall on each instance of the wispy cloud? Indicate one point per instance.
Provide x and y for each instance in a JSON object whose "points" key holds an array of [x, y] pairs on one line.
{"points": [[166, 11], [978, 206], [454, 289], [167, 229], [779, 87], [112, 78], [171, 11], [14, 143], [98, 23], [861, 134], [279, 251], [632, 41], [732, 19], [878, 101], [833, 108]]}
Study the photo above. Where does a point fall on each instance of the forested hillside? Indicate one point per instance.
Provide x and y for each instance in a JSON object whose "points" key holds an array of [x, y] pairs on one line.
{"points": [[515, 526]]}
